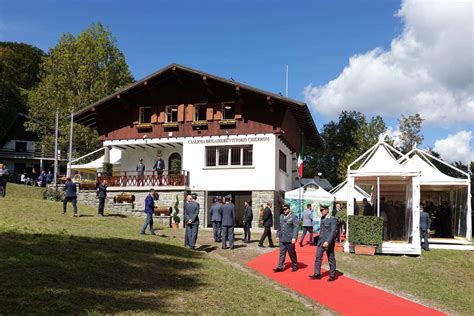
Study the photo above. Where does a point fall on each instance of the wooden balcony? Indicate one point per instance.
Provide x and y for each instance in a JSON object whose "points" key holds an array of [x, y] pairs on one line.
{"points": [[29, 154], [151, 179]]}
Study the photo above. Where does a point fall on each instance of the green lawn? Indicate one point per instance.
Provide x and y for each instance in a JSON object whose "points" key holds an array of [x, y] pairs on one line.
{"points": [[440, 278], [51, 263]]}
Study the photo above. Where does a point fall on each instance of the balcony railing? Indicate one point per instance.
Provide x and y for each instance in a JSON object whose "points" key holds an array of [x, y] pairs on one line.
{"points": [[28, 154], [150, 179]]}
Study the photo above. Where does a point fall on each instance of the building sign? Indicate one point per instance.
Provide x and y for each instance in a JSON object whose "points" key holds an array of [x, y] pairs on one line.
{"points": [[229, 140]]}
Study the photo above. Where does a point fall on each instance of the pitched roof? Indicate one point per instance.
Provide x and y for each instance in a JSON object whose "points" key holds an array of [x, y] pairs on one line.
{"points": [[299, 109]]}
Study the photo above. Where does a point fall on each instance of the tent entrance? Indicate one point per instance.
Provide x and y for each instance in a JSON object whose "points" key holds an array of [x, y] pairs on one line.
{"points": [[447, 207]]}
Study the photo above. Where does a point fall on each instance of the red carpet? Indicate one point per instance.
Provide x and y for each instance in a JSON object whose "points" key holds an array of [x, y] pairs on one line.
{"points": [[345, 296]]}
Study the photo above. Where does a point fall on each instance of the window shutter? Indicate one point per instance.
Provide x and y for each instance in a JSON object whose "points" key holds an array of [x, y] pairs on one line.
{"points": [[181, 113], [161, 116], [209, 112], [238, 111], [189, 112], [218, 111], [154, 115]]}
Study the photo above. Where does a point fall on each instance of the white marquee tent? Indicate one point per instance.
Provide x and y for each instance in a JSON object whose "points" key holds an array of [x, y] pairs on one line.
{"points": [[341, 191], [93, 166]]}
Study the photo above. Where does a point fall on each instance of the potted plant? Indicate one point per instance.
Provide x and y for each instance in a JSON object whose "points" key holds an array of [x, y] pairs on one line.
{"points": [[176, 218], [107, 169], [341, 217], [366, 233]]}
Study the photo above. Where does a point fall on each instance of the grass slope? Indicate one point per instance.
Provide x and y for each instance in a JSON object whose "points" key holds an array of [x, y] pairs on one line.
{"points": [[53, 264]]}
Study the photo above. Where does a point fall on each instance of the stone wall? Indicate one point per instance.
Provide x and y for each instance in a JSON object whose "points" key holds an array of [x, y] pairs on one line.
{"points": [[259, 200]]}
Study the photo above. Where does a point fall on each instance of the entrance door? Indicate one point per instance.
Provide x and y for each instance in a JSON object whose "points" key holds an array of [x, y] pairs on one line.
{"points": [[238, 198]]}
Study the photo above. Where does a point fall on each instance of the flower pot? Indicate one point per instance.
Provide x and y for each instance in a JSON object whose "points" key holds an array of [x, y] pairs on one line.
{"points": [[339, 247], [175, 225], [365, 250]]}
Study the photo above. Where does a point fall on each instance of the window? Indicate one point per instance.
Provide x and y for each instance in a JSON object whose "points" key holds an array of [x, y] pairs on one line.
{"points": [[282, 161], [228, 110], [229, 156], [200, 112], [144, 115], [171, 113], [20, 147]]}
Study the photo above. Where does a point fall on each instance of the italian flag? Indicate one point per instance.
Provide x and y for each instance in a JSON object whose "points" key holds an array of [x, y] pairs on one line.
{"points": [[300, 157]]}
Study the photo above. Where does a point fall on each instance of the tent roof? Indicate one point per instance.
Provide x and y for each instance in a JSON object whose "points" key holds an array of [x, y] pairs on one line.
{"points": [[430, 175], [380, 161], [341, 192], [310, 191], [115, 159]]}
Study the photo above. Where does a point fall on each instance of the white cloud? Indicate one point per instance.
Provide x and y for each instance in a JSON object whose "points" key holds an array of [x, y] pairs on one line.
{"points": [[393, 134], [429, 69], [455, 147]]}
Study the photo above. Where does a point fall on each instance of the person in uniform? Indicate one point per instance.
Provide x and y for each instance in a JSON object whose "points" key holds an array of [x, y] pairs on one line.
{"points": [[149, 210], [191, 218], [326, 243], [102, 194], [159, 166], [267, 222], [140, 169], [287, 235], [248, 218], [425, 223], [71, 195], [307, 224], [216, 216], [228, 223]]}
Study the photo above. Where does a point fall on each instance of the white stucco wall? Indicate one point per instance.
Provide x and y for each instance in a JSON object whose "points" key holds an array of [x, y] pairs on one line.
{"points": [[131, 157], [283, 180]]}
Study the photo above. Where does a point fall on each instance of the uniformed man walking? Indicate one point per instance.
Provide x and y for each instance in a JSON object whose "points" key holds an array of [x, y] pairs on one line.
{"points": [[191, 218], [248, 218], [326, 242], [425, 223], [307, 224], [228, 223], [216, 217], [287, 234], [149, 210]]}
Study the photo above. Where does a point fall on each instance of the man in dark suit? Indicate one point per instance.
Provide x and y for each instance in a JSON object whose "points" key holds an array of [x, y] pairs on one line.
{"points": [[228, 223], [140, 169], [149, 210], [368, 209], [71, 195], [102, 194], [159, 166], [287, 235], [4, 178], [216, 217], [248, 218], [191, 218], [425, 224], [267, 222], [326, 243]]}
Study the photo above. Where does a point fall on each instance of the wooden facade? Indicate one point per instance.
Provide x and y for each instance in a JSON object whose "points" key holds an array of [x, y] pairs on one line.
{"points": [[117, 117]]}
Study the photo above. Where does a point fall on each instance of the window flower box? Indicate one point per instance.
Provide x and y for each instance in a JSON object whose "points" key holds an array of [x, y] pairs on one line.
{"points": [[143, 126], [170, 125], [227, 122], [199, 123]]}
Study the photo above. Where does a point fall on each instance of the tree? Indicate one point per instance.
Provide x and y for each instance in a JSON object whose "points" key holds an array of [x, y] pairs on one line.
{"points": [[410, 131], [19, 69], [77, 72]]}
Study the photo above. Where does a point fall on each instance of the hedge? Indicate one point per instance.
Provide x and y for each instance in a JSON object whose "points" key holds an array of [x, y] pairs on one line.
{"points": [[365, 230]]}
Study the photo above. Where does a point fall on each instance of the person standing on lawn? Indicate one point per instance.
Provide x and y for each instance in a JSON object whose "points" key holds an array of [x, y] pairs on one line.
{"points": [[216, 216], [228, 223], [102, 194], [191, 218], [287, 235], [149, 210], [326, 243], [267, 222], [248, 218], [425, 224], [4, 178], [71, 195], [307, 224]]}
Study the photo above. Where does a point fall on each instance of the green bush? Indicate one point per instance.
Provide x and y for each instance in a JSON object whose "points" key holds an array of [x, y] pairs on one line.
{"points": [[53, 194], [107, 168], [341, 216], [176, 217], [365, 230]]}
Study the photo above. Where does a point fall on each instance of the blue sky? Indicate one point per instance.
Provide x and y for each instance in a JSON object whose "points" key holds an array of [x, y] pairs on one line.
{"points": [[251, 41]]}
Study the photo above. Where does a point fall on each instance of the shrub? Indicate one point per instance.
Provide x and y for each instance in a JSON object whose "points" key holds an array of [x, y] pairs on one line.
{"points": [[365, 230], [53, 194], [341, 216], [176, 217], [107, 169]]}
